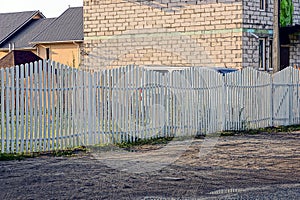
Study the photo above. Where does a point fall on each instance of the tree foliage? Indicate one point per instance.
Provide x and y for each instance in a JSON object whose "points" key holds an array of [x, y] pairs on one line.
{"points": [[286, 12]]}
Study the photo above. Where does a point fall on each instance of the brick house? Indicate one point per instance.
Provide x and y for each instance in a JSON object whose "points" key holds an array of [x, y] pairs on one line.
{"points": [[225, 33]]}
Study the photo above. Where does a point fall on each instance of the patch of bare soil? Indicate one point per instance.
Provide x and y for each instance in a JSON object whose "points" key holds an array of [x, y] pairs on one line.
{"points": [[264, 166]]}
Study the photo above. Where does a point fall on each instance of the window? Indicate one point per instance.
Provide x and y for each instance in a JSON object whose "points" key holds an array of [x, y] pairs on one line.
{"points": [[270, 55], [262, 54], [262, 4], [47, 53]]}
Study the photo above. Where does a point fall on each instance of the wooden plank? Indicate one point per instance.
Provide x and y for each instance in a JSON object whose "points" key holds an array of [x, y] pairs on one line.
{"points": [[2, 95], [72, 109], [16, 136], [40, 111], [54, 104], [48, 78], [57, 106], [61, 107], [7, 89], [22, 102], [12, 134], [44, 105], [26, 102], [66, 106], [31, 112], [98, 107], [102, 119]]}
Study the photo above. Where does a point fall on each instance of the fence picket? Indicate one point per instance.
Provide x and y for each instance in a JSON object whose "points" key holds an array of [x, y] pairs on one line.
{"points": [[2, 97], [49, 103], [72, 108], [40, 110], [26, 104], [23, 103], [13, 121], [44, 104], [31, 75], [8, 80], [17, 104]]}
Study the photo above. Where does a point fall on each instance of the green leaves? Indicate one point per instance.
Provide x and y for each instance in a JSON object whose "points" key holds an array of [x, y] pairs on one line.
{"points": [[286, 12]]}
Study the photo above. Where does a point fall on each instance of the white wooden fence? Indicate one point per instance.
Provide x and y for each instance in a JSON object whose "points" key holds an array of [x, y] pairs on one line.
{"points": [[48, 106]]}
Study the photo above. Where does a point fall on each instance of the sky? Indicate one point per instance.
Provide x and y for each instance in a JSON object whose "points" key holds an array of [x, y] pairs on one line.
{"points": [[50, 8]]}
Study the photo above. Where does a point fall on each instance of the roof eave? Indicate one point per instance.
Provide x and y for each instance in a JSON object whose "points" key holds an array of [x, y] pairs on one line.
{"points": [[19, 48], [60, 42]]}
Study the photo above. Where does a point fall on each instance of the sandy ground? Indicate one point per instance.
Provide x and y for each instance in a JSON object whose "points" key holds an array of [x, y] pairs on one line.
{"points": [[264, 166]]}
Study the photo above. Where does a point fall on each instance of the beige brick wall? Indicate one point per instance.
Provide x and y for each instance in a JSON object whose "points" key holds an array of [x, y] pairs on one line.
{"points": [[163, 32]]}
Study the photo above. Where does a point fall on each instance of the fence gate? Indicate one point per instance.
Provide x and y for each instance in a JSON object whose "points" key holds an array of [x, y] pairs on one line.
{"points": [[248, 99], [286, 97]]}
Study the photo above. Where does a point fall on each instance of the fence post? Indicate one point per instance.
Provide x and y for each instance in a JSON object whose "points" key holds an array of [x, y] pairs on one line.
{"points": [[272, 102], [17, 107], [7, 97], [290, 104], [224, 103], [290, 100], [12, 147], [2, 96], [90, 102]]}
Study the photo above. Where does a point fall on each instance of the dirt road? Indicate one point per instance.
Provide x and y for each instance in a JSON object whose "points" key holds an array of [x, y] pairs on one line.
{"points": [[264, 166]]}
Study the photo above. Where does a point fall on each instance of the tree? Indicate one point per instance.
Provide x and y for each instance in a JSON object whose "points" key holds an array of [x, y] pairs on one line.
{"points": [[286, 13], [283, 16], [276, 39]]}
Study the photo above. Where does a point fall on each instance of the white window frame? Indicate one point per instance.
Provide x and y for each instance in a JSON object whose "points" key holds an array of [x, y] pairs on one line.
{"points": [[262, 5], [270, 64], [263, 59]]}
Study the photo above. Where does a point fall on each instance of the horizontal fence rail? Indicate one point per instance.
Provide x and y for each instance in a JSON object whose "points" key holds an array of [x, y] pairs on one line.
{"points": [[48, 106]]}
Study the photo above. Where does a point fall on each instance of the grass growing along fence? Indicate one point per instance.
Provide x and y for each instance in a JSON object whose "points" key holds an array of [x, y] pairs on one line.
{"points": [[129, 146], [55, 153]]}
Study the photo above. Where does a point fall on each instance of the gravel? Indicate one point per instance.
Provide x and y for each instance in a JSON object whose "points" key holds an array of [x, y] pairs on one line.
{"points": [[263, 166]]}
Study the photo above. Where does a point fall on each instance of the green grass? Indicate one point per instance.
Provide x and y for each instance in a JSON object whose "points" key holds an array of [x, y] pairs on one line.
{"points": [[140, 142], [56, 153], [276, 129], [8, 156]]}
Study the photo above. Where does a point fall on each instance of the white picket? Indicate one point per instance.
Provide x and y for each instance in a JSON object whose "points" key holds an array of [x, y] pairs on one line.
{"points": [[104, 107], [2, 97], [53, 104], [13, 121], [17, 103], [43, 123], [98, 107], [79, 107], [67, 103], [26, 104], [7, 89], [72, 108], [31, 79], [40, 103], [22, 101]]}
